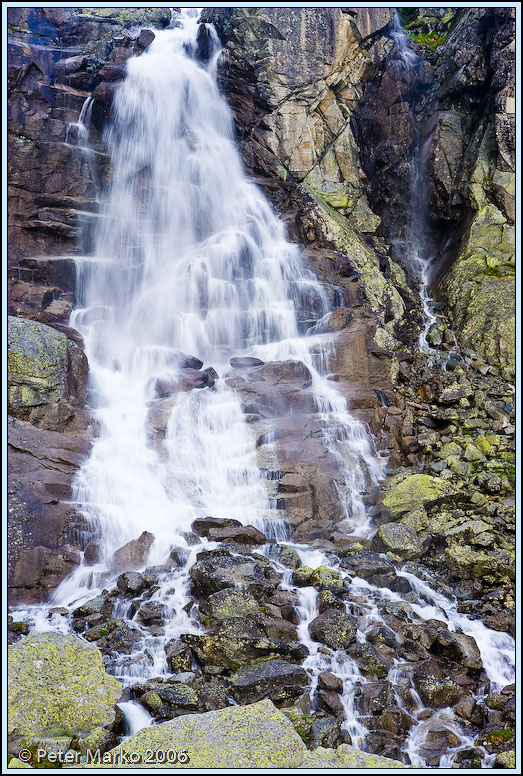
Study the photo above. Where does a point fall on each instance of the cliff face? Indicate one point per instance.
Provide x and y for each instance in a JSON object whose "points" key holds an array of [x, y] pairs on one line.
{"points": [[460, 102]]}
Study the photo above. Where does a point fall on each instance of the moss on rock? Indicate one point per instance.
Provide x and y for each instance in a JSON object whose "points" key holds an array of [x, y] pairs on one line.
{"points": [[405, 494], [36, 362]]}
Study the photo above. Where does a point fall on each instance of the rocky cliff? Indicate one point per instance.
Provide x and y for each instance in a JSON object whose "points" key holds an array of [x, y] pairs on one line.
{"points": [[322, 115]]}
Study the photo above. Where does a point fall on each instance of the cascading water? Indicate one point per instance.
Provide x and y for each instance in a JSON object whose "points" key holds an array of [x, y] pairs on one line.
{"points": [[190, 259]]}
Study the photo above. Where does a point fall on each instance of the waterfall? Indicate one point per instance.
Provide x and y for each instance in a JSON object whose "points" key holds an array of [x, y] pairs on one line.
{"points": [[417, 246], [190, 259]]}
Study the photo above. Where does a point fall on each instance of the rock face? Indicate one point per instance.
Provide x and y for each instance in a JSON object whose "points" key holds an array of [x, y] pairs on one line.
{"points": [[47, 374], [58, 685], [44, 532], [293, 110], [457, 102], [255, 736]]}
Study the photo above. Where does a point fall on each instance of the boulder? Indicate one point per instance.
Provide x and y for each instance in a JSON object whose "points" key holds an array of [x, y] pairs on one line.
{"points": [[58, 683], [405, 495], [202, 525], [133, 555], [276, 679], [245, 534], [231, 602], [131, 582], [217, 572], [346, 756], [399, 540], [253, 736], [236, 642], [179, 656], [333, 628], [244, 362]]}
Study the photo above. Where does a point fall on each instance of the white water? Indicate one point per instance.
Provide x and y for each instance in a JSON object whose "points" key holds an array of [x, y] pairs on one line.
{"points": [[136, 717], [190, 257]]}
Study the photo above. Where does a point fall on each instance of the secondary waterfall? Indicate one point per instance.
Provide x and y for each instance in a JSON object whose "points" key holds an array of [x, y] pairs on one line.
{"points": [[190, 260], [416, 245]]}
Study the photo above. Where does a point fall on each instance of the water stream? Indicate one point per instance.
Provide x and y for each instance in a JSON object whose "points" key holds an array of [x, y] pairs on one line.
{"points": [[191, 259]]}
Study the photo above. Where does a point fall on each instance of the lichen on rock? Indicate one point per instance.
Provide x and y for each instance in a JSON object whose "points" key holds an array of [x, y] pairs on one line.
{"points": [[58, 685]]}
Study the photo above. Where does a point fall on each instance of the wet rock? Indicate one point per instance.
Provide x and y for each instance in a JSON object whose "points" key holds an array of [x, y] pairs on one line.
{"points": [[245, 534], [371, 660], [275, 679], [231, 602], [243, 362], [285, 555], [325, 732], [202, 525], [131, 582], [92, 554], [437, 741], [438, 692], [328, 681], [371, 566], [375, 696], [187, 380], [236, 642], [119, 636], [217, 572], [330, 702], [99, 605], [322, 578], [151, 613], [133, 554], [333, 628], [174, 694]]}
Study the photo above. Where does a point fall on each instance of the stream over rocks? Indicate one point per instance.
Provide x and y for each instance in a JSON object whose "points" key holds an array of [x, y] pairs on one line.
{"points": [[230, 551]]}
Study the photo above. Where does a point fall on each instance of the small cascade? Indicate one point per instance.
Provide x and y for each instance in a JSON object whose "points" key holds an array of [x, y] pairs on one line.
{"points": [[416, 247], [135, 717]]}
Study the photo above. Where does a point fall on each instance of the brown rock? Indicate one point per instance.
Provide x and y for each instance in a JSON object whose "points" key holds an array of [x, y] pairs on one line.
{"points": [[133, 554]]}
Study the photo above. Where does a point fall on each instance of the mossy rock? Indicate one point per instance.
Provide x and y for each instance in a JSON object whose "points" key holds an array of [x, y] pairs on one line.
{"points": [[347, 757], [398, 539], [130, 17], [506, 759], [407, 494], [36, 362], [253, 736], [58, 685]]}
